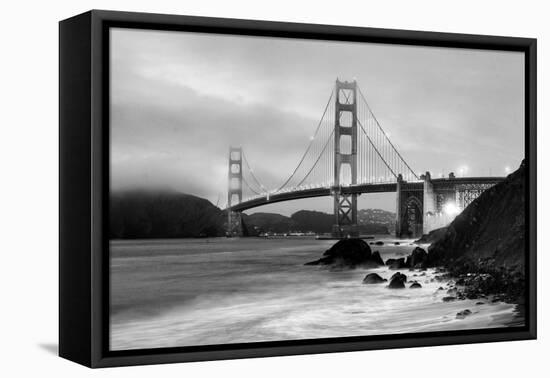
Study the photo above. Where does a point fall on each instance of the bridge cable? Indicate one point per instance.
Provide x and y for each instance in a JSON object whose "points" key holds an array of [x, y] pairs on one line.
{"points": [[310, 144], [376, 149], [384, 133], [252, 173], [248, 185], [316, 161]]}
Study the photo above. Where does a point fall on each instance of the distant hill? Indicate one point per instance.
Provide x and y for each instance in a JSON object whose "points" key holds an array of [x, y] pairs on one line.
{"points": [[376, 218], [366, 216], [490, 232], [147, 214], [313, 221], [269, 222], [162, 214]]}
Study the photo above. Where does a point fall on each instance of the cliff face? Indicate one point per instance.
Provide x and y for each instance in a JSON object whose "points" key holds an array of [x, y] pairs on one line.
{"points": [[490, 233], [149, 214]]}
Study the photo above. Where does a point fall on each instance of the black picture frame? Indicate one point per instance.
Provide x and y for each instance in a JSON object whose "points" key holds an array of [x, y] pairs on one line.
{"points": [[84, 190]]}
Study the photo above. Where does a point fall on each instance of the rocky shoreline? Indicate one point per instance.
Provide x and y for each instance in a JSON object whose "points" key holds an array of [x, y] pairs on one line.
{"points": [[461, 282], [483, 249]]}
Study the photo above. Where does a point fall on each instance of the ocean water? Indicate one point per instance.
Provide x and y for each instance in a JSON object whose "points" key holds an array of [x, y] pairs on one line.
{"points": [[167, 293]]}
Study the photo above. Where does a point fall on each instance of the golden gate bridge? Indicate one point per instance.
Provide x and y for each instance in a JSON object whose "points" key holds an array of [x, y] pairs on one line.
{"points": [[348, 155]]}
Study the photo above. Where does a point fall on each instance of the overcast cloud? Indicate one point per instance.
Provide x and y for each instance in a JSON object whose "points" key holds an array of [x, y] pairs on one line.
{"points": [[178, 100]]}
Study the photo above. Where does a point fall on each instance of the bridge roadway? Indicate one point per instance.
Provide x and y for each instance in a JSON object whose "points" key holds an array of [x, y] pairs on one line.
{"points": [[361, 189]]}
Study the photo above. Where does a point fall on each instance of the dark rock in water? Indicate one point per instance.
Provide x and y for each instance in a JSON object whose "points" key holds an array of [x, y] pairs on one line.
{"points": [[399, 274], [415, 285], [417, 259], [480, 303], [440, 288], [373, 278], [397, 281], [349, 253], [463, 314], [396, 243], [395, 264], [449, 299], [376, 258], [379, 243]]}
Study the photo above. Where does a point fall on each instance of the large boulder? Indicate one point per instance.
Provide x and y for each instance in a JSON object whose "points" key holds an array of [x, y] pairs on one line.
{"points": [[417, 259], [415, 285], [399, 274], [349, 253], [373, 278], [397, 281]]}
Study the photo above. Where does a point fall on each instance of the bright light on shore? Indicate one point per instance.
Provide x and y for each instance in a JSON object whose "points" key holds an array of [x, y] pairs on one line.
{"points": [[450, 208]]}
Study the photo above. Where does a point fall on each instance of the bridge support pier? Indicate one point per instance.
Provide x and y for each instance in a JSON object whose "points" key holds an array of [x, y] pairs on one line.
{"points": [[431, 213], [234, 191], [234, 224], [409, 209], [398, 206], [345, 126], [345, 208]]}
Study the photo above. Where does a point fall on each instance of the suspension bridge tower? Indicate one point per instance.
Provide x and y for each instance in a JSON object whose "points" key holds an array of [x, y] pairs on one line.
{"points": [[234, 190], [345, 154]]}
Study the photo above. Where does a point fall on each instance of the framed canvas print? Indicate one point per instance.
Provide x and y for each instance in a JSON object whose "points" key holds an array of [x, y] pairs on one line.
{"points": [[234, 188]]}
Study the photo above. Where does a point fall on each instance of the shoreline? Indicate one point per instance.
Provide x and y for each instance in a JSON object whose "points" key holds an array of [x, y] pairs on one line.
{"points": [[250, 296]]}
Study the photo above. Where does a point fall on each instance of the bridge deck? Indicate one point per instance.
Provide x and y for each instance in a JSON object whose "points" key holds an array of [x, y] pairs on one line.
{"points": [[359, 189]]}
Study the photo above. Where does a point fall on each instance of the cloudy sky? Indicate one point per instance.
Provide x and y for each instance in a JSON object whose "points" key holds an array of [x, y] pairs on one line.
{"points": [[178, 100]]}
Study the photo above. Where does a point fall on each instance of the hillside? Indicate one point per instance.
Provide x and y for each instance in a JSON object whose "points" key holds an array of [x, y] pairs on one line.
{"points": [[269, 222], [376, 217], [490, 233], [313, 221], [162, 214]]}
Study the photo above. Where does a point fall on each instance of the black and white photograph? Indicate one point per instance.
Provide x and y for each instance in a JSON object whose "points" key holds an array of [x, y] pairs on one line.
{"points": [[274, 189], [277, 189]]}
